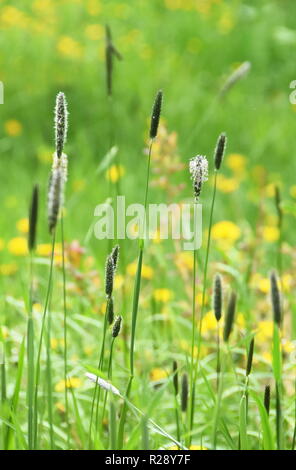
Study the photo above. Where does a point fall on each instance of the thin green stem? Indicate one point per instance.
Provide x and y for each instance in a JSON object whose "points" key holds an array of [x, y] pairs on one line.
{"points": [[30, 359]]}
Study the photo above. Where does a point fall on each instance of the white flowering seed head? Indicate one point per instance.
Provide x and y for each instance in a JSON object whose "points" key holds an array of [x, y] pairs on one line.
{"points": [[60, 123], [198, 168], [62, 163]]}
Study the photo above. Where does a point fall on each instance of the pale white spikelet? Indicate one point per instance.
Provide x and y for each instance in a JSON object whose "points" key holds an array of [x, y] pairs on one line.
{"points": [[54, 197], [103, 383], [61, 163], [198, 168]]}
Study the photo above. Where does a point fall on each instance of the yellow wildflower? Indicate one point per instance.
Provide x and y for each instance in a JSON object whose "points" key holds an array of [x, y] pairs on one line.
{"points": [[209, 322], [60, 407], [227, 185], [43, 249], [184, 260], [236, 162], [13, 127], [147, 271], [54, 343], [267, 357], [8, 269], [198, 298], [163, 295], [265, 331], [18, 246], [69, 47], [226, 230], [270, 233], [94, 7], [73, 382], [115, 173], [1, 244], [23, 225], [94, 32], [4, 332], [193, 447], [119, 281], [157, 374]]}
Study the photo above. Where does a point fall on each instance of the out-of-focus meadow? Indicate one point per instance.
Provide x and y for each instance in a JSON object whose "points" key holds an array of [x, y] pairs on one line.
{"points": [[187, 48]]}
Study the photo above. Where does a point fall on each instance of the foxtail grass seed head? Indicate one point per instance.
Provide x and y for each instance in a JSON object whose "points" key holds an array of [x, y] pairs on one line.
{"points": [[55, 198], [117, 326], [175, 377], [275, 299], [217, 303], [198, 168], [230, 313], [240, 72], [61, 123], [184, 392], [220, 150], [156, 110], [62, 163], [109, 276], [110, 310], [250, 357], [267, 398], [115, 256], [33, 217]]}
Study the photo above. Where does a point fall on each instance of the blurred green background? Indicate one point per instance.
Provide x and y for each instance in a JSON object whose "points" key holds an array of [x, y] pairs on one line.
{"points": [[186, 47]]}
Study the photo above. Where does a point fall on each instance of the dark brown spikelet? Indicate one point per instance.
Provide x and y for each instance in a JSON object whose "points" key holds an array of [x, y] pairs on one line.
{"points": [[217, 303], [275, 299], [33, 217], [109, 276], [110, 311], [229, 316], [115, 256], [117, 326], [175, 377], [54, 198], [250, 357], [184, 392], [267, 398], [220, 150], [61, 123], [156, 110]]}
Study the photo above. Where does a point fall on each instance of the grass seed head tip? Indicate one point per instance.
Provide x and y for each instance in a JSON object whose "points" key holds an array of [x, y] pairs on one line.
{"points": [[275, 299], [33, 217], [220, 150], [217, 303], [156, 110], [61, 123]]}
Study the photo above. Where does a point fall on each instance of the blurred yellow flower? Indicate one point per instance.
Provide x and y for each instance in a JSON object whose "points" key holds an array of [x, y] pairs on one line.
{"points": [[115, 173], [270, 234], [163, 295], [227, 185], [157, 374], [193, 447], [94, 7], [45, 154], [18, 246], [147, 271], [267, 357], [54, 343], [184, 260], [119, 281], [198, 298], [209, 322], [69, 47], [1, 244], [73, 382], [265, 331], [43, 249], [236, 162], [78, 185], [226, 21], [226, 230], [4, 332], [11, 16], [60, 407], [94, 32], [13, 127], [23, 225], [8, 269], [293, 190]]}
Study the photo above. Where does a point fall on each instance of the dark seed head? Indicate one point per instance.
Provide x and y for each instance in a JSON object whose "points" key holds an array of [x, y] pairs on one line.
{"points": [[250, 357], [275, 299], [217, 303], [117, 326], [54, 198], [33, 217], [110, 311], [109, 276], [267, 398], [277, 200], [115, 256], [110, 51], [219, 151], [156, 110], [184, 392], [175, 377], [229, 316], [61, 123]]}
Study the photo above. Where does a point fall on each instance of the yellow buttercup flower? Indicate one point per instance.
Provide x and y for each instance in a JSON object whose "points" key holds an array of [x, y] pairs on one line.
{"points": [[119, 281], [157, 374], [69, 47], [184, 260], [73, 382], [8, 269], [44, 249], [227, 185], [18, 246], [54, 343], [23, 225], [193, 447], [265, 331], [147, 271], [226, 230], [236, 162], [115, 173], [1, 244], [209, 322], [13, 127], [270, 234], [163, 295]]}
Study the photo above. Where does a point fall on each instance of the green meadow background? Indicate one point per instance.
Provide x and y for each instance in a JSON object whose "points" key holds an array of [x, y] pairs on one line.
{"points": [[187, 48]]}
